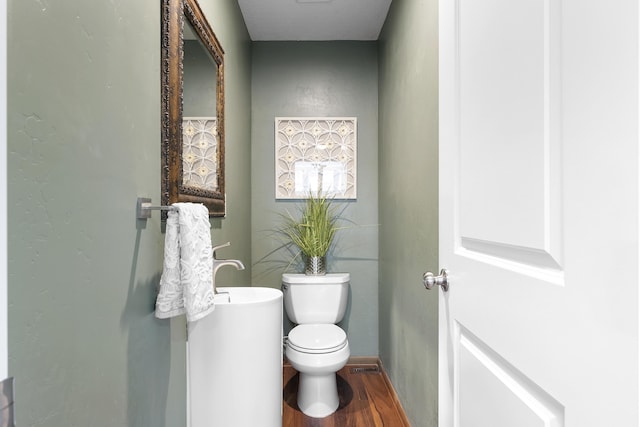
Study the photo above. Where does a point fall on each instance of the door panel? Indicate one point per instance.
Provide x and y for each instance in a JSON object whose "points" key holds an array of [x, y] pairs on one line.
{"points": [[539, 213], [508, 131], [494, 393]]}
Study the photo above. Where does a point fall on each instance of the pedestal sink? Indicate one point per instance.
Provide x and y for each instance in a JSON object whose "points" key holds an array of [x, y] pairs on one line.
{"points": [[234, 360]]}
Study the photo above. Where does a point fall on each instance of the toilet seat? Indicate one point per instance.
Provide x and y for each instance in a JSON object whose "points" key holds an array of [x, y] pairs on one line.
{"points": [[317, 338]]}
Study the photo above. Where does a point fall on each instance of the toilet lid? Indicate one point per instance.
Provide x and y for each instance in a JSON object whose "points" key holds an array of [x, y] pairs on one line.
{"points": [[317, 338]]}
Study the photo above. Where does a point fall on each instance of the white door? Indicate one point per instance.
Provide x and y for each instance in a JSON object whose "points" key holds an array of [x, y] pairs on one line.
{"points": [[539, 213]]}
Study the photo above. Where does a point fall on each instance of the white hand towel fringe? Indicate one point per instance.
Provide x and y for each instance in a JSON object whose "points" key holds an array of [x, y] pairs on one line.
{"points": [[186, 284]]}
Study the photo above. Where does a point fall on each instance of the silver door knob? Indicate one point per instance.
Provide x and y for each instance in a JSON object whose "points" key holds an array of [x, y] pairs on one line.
{"points": [[430, 280]]}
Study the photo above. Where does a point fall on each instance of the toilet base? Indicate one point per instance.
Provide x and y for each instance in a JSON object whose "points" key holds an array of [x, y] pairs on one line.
{"points": [[317, 385], [318, 395]]}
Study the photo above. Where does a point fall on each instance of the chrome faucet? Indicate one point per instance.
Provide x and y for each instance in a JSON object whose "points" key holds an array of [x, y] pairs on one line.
{"points": [[217, 263]]}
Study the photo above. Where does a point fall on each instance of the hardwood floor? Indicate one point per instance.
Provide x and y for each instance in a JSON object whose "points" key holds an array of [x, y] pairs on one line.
{"points": [[367, 399]]}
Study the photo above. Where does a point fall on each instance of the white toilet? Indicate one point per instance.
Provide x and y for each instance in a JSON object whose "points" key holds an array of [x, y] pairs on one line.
{"points": [[317, 348]]}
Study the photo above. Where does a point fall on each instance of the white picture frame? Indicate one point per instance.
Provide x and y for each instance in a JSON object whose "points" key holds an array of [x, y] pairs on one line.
{"points": [[316, 155]]}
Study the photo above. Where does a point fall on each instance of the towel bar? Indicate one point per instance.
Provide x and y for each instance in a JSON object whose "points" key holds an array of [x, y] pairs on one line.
{"points": [[144, 208]]}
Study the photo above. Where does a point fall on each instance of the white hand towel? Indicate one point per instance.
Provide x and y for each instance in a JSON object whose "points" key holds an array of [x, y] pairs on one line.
{"points": [[186, 284]]}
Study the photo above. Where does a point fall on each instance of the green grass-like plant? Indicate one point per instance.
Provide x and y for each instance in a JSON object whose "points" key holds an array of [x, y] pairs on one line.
{"points": [[313, 233]]}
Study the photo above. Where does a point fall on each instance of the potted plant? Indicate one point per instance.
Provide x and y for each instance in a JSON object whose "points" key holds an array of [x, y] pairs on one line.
{"points": [[313, 232]]}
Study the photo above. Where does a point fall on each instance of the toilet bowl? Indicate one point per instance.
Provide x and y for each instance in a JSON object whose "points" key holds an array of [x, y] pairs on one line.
{"points": [[317, 352], [317, 348]]}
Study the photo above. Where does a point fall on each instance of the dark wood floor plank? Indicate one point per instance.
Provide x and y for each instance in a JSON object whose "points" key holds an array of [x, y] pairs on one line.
{"points": [[366, 400]]}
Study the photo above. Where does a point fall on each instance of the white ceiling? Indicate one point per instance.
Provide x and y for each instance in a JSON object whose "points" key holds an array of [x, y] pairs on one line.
{"points": [[306, 20]]}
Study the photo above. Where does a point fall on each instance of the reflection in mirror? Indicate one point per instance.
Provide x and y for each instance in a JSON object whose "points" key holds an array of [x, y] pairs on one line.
{"points": [[199, 72], [193, 108], [199, 121]]}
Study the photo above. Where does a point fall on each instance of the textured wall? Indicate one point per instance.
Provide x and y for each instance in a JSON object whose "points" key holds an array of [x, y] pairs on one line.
{"points": [[83, 143], [409, 204], [227, 22], [320, 79], [3, 194]]}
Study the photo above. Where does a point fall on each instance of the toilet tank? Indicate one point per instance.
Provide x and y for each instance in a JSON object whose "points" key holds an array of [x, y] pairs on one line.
{"points": [[315, 299]]}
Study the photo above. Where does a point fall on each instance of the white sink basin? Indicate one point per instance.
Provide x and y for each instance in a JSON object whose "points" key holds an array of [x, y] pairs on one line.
{"points": [[234, 360]]}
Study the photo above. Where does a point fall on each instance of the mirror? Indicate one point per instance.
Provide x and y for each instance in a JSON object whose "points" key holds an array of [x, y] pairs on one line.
{"points": [[192, 78]]}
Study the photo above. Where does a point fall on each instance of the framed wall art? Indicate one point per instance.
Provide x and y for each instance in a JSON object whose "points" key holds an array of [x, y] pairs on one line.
{"points": [[315, 155]]}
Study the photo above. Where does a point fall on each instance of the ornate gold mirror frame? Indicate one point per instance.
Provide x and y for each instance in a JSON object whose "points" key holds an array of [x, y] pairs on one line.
{"points": [[182, 158]]}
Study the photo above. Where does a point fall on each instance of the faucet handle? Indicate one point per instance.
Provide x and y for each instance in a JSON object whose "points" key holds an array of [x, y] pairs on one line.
{"points": [[215, 248]]}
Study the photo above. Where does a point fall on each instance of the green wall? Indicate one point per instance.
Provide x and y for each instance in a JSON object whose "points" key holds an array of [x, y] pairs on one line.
{"points": [[319, 79], [83, 143], [408, 58], [228, 24]]}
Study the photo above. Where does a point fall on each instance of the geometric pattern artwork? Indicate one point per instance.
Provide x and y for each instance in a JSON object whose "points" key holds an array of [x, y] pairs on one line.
{"points": [[315, 155], [200, 152]]}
